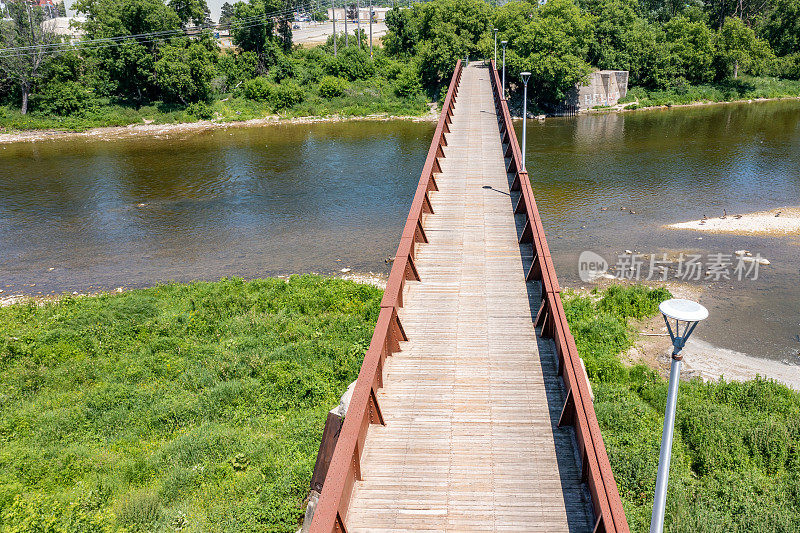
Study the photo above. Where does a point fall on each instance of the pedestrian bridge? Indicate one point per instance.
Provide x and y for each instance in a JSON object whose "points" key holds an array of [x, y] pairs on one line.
{"points": [[472, 410]]}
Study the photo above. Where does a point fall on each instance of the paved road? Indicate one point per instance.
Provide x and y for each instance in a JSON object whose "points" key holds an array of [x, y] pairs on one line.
{"points": [[312, 33]]}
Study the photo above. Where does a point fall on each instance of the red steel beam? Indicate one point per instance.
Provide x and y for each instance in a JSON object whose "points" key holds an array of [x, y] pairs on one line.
{"points": [[578, 408], [345, 465]]}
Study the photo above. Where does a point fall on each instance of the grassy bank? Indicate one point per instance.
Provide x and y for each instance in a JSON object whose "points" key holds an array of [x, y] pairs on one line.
{"points": [[736, 456], [358, 99], [178, 408], [744, 88], [200, 407]]}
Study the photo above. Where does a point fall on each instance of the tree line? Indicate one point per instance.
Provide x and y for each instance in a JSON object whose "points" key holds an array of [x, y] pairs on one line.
{"points": [[136, 52], [664, 44]]}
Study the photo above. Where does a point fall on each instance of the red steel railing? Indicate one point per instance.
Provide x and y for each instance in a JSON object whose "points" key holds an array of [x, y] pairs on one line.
{"points": [[345, 465], [578, 409]]}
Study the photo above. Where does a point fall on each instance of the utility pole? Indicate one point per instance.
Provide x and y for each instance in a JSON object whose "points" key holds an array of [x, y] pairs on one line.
{"points": [[358, 22], [370, 28], [346, 35], [333, 10]]}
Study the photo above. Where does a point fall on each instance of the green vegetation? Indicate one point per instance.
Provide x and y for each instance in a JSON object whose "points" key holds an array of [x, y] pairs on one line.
{"points": [[708, 51], [200, 407], [178, 408], [745, 88], [736, 456]]}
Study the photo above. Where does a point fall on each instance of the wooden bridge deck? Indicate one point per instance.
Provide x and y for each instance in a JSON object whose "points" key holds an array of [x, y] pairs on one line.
{"points": [[471, 402]]}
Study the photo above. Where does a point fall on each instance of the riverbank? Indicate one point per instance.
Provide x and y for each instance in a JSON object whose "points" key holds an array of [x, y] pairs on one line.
{"points": [[735, 442], [650, 345], [166, 131]]}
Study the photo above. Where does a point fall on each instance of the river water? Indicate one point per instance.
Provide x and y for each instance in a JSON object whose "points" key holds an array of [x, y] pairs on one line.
{"points": [[84, 214]]}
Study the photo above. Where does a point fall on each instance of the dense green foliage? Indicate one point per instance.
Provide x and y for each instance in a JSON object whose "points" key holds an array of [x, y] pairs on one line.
{"points": [[736, 456], [673, 52], [665, 46], [182, 407]]}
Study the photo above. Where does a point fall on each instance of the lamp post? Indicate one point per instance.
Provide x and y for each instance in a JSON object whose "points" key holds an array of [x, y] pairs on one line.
{"points": [[685, 313], [504, 43], [495, 46], [525, 77]]}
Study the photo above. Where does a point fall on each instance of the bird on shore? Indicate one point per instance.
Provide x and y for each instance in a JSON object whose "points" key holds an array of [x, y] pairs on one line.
{"points": [[632, 212], [778, 214], [737, 217], [724, 214]]}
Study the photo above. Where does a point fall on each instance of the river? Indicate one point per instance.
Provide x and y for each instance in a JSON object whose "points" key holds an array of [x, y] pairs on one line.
{"points": [[85, 215]]}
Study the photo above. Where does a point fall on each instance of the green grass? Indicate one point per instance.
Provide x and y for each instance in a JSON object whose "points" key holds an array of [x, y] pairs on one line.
{"points": [[745, 88], [362, 98], [736, 457], [200, 407], [178, 408]]}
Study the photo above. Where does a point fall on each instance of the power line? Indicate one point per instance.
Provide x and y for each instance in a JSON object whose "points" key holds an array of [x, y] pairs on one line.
{"points": [[143, 38]]}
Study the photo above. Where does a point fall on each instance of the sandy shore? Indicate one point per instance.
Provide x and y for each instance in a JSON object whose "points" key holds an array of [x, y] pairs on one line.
{"points": [[776, 222], [706, 361], [166, 130]]}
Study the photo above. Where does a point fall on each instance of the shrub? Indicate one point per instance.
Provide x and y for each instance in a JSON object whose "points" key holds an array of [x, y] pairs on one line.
{"points": [[65, 98], [286, 95], [353, 64], [407, 83], [257, 89], [331, 87], [201, 110]]}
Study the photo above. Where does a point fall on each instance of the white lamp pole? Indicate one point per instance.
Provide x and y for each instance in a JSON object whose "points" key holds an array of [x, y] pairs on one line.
{"points": [[525, 77], [504, 43], [685, 313]]}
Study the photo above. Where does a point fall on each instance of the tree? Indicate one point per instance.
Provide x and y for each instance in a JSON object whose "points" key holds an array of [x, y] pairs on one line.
{"points": [[129, 66], [438, 33], [782, 27], [692, 46], [185, 69], [552, 42], [27, 29], [257, 34], [226, 12], [191, 11], [402, 35], [739, 47]]}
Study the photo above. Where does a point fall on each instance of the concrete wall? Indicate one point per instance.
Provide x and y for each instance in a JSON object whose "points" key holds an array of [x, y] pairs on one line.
{"points": [[605, 87]]}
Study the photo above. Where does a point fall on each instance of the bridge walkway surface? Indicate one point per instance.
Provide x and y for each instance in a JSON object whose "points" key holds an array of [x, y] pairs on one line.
{"points": [[471, 411], [470, 403]]}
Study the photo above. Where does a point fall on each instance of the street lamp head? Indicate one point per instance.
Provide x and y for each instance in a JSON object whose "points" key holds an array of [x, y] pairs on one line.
{"points": [[683, 312], [504, 43], [525, 77]]}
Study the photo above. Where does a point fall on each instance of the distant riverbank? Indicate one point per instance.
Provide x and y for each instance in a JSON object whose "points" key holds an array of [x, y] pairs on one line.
{"points": [[151, 129]]}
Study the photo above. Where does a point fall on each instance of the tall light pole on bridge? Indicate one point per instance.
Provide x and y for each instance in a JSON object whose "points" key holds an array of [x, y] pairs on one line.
{"points": [[504, 43], [525, 77], [495, 46], [688, 314]]}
